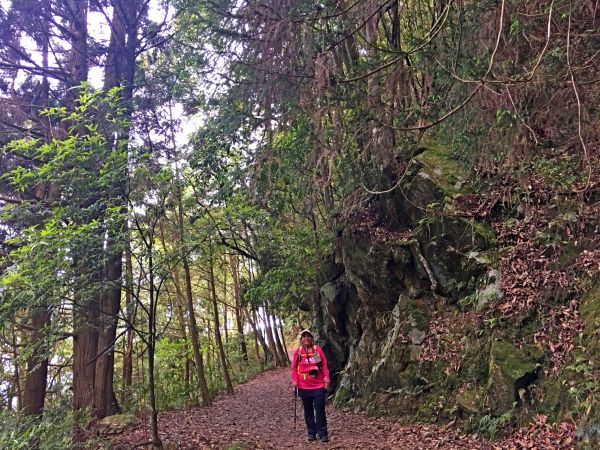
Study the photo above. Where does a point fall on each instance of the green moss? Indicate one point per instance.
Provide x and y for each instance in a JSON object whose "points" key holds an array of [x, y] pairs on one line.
{"points": [[413, 314], [239, 446], [474, 368], [508, 368], [342, 397], [472, 400], [568, 255], [119, 421], [438, 161], [484, 236], [585, 366], [510, 360], [590, 314], [433, 408], [554, 399]]}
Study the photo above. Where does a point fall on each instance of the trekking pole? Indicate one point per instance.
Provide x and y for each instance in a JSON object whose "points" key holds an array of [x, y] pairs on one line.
{"points": [[295, 406]]}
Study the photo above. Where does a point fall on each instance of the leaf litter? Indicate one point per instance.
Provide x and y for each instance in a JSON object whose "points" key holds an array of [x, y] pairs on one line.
{"points": [[260, 415]]}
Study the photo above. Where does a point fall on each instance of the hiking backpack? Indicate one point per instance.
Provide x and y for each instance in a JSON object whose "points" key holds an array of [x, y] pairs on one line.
{"points": [[309, 362]]}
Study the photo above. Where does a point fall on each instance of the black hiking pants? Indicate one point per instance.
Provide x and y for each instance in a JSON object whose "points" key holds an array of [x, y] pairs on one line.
{"points": [[313, 401]]}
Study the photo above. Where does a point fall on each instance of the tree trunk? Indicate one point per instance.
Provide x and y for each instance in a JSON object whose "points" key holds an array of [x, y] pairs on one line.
{"points": [[85, 344], [202, 386], [36, 378], [104, 398], [270, 340], [16, 374], [280, 348], [233, 261], [186, 359], [258, 337], [181, 320], [156, 442], [130, 312], [219, 342], [287, 355], [37, 365], [120, 71], [78, 66], [179, 301], [85, 310], [225, 307], [256, 346]]}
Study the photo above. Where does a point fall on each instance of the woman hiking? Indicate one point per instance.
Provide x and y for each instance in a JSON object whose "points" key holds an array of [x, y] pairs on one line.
{"points": [[310, 377]]}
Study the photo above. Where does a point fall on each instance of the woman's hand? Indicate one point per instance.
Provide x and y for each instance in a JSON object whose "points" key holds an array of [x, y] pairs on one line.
{"points": [[294, 384]]}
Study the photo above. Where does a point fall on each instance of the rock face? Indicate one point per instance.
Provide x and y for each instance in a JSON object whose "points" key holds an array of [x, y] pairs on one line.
{"points": [[389, 315]]}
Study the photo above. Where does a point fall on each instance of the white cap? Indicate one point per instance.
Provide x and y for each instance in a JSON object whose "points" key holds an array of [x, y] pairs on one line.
{"points": [[306, 331]]}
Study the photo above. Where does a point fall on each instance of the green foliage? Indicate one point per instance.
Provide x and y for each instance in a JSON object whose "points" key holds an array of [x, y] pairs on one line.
{"points": [[171, 391], [515, 27], [583, 387], [490, 425], [53, 432], [469, 301], [79, 175], [291, 258]]}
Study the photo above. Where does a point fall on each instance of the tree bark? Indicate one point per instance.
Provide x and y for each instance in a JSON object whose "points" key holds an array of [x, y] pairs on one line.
{"points": [[37, 365], [218, 340], [270, 340], [85, 344], [120, 71], [85, 310], [195, 338], [104, 398], [282, 353], [130, 312], [16, 374], [78, 66], [287, 355], [258, 336], [233, 261]]}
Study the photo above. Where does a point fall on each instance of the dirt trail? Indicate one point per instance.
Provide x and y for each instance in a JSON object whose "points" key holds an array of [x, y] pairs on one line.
{"points": [[260, 415]]}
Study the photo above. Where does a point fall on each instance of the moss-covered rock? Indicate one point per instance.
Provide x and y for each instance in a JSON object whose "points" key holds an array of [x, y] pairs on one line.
{"points": [[342, 397], [555, 401], [471, 400], [117, 423], [510, 370], [491, 292], [439, 163]]}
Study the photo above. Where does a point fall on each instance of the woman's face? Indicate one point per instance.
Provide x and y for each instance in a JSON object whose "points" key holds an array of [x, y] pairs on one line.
{"points": [[306, 339]]}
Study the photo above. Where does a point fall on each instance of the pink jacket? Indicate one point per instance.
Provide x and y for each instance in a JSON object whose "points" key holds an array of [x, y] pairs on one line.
{"points": [[307, 362]]}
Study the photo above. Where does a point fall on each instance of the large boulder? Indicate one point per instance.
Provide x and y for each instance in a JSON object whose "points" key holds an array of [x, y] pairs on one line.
{"points": [[117, 423], [511, 371]]}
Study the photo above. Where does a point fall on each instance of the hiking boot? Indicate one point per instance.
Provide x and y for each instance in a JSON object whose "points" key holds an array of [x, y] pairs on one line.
{"points": [[324, 439], [311, 438]]}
